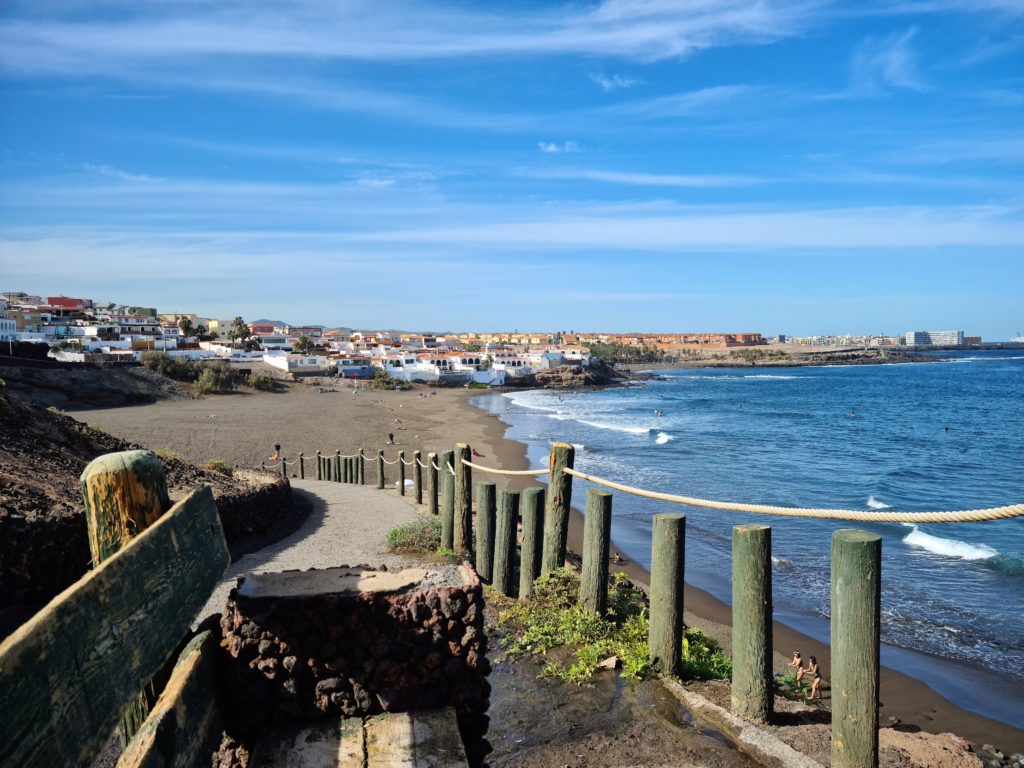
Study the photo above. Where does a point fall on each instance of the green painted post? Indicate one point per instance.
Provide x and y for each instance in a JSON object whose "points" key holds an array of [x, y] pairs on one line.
{"points": [[856, 609], [319, 466], [505, 541], [463, 536], [485, 516], [380, 470], [352, 471], [344, 470], [447, 501], [597, 533], [668, 567], [417, 476], [302, 466], [361, 468], [533, 539], [432, 483], [556, 515], [752, 690], [337, 466], [401, 473]]}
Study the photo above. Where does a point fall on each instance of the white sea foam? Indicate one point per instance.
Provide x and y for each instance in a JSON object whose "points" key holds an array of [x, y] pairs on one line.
{"points": [[627, 428], [663, 437], [774, 376], [948, 547], [874, 503]]}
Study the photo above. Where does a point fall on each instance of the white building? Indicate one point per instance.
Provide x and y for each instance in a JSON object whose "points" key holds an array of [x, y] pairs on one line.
{"points": [[296, 363], [935, 338]]}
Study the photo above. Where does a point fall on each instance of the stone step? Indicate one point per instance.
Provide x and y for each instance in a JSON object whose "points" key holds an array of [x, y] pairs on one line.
{"points": [[426, 739]]}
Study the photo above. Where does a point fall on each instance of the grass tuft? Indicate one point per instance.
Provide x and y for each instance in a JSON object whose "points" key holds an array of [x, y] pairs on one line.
{"points": [[418, 537]]}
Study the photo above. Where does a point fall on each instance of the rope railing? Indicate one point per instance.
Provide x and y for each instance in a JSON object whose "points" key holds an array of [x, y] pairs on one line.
{"points": [[435, 466], [407, 463], [496, 471], [960, 516], [450, 468], [424, 466], [390, 462]]}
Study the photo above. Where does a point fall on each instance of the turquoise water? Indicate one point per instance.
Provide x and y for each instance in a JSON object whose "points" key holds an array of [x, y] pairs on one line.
{"points": [[943, 435]]}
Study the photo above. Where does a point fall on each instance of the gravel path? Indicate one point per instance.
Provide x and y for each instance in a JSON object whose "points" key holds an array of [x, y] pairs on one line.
{"points": [[348, 525]]}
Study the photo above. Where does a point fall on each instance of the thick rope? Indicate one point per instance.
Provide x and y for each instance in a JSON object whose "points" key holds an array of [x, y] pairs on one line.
{"points": [[450, 468], [495, 471], [407, 463], [421, 463], [963, 516], [389, 462], [434, 465]]}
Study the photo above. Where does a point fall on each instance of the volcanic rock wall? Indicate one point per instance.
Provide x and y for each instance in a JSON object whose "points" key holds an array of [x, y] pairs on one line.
{"points": [[372, 642]]}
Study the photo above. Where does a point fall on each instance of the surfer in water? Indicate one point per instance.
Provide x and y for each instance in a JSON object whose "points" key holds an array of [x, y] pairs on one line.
{"points": [[853, 413]]}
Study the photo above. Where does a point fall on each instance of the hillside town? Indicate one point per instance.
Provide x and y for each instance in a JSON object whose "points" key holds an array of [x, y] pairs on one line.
{"points": [[85, 330]]}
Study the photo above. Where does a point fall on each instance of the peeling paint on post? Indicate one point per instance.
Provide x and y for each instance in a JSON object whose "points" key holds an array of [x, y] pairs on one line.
{"points": [[597, 530], [752, 689], [665, 632]]}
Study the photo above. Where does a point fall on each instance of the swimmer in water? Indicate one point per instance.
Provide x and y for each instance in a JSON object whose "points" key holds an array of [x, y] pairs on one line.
{"points": [[853, 413]]}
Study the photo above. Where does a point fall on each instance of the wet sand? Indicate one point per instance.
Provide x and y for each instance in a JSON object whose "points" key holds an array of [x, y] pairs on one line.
{"points": [[242, 429]]}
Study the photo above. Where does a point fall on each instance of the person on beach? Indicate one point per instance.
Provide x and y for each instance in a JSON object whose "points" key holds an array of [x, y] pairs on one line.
{"points": [[391, 438], [277, 452], [797, 664], [815, 671]]}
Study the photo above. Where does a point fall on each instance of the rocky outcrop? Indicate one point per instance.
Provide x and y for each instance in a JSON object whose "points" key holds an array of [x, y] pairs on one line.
{"points": [[597, 374]]}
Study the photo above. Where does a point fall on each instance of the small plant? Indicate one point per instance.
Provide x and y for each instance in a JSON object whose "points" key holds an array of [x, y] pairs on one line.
{"points": [[218, 466], [383, 380], [261, 381], [419, 537], [789, 687], [703, 658], [215, 377]]}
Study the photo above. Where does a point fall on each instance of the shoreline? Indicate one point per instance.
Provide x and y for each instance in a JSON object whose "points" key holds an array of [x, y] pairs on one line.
{"points": [[911, 701]]}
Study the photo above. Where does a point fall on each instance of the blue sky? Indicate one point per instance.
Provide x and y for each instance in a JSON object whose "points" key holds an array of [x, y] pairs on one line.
{"points": [[704, 165]]}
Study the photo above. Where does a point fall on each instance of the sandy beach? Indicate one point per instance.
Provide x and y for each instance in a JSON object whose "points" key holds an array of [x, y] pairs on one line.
{"points": [[241, 429]]}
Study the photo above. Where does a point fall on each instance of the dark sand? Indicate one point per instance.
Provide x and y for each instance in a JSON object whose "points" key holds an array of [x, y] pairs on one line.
{"points": [[242, 429]]}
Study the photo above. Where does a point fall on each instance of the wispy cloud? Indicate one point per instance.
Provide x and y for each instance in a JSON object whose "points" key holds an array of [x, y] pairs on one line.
{"points": [[632, 178], [109, 172], [137, 35], [880, 64], [553, 147], [609, 83]]}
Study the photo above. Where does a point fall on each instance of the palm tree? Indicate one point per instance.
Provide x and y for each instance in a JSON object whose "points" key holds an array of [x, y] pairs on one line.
{"points": [[185, 326]]}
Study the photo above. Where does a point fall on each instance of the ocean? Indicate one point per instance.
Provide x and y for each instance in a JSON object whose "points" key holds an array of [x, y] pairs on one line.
{"points": [[906, 437]]}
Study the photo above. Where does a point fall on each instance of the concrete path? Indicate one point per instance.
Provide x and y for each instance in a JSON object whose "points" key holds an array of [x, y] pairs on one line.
{"points": [[348, 525]]}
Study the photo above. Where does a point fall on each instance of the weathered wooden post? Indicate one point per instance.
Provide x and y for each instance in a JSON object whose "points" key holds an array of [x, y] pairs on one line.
{"points": [[345, 470], [432, 483], [263, 464], [533, 539], [856, 609], [447, 501], [597, 532], [124, 494], [319, 466], [302, 466], [361, 468], [337, 466], [556, 515], [380, 470], [665, 633], [401, 473], [505, 541], [353, 469], [284, 467], [463, 499], [752, 690], [485, 515], [417, 476]]}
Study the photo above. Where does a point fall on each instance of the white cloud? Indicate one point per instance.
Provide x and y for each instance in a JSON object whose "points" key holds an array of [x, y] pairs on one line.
{"points": [[880, 64], [609, 83], [553, 147], [131, 36], [109, 172]]}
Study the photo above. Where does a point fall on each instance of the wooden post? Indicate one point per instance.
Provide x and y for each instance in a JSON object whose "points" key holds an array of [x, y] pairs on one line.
{"points": [[447, 501], [401, 473], [284, 467], [417, 476], [597, 532], [361, 471], [752, 690], [263, 464], [505, 541], [319, 466], [380, 470], [533, 539], [856, 607], [302, 466], [432, 483], [485, 515], [124, 494], [665, 633], [463, 534], [556, 515], [337, 466]]}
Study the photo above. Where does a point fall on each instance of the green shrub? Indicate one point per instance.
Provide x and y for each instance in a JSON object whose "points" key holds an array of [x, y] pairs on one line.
{"points": [[382, 380], [6, 411], [215, 377], [175, 368], [420, 536], [551, 618], [261, 381]]}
